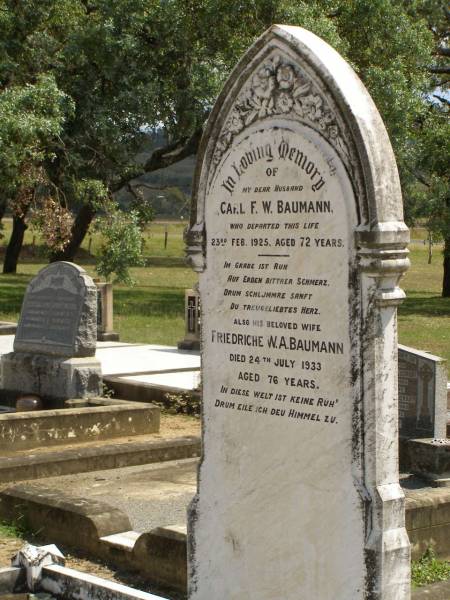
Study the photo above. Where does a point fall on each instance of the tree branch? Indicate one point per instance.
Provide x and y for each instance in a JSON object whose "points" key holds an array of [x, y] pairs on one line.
{"points": [[442, 99], [173, 153], [421, 178], [164, 157], [437, 69]]}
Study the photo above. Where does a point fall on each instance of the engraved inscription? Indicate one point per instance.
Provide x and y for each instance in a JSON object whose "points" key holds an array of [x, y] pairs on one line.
{"points": [[278, 246], [52, 308]]}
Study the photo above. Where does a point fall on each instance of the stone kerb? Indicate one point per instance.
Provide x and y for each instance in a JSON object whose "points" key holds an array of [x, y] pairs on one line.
{"points": [[297, 233]]}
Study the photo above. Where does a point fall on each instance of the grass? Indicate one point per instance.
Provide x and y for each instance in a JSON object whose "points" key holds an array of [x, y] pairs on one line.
{"points": [[154, 236], [150, 312], [15, 529], [424, 317], [153, 310], [429, 569]]}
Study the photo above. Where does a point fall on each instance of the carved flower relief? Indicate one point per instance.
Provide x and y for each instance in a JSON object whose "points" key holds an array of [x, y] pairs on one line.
{"points": [[278, 88], [325, 120], [234, 123], [285, 102], [259, 108], [285, 77], [263, 82]]}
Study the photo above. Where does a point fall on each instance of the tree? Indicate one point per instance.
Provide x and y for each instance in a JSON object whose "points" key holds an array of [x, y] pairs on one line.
{"points": [[132, 65], [123, 245], [31, 117]]}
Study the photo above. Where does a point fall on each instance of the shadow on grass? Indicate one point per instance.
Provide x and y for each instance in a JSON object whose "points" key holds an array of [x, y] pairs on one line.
{"points": [[426, 306], [11, 297], [149, 302], [20, 279], [165, 261]]}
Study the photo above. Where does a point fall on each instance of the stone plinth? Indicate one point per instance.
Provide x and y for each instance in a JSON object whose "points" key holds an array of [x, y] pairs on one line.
{"points": [[430, 459], [191, 339], [105, 313]]}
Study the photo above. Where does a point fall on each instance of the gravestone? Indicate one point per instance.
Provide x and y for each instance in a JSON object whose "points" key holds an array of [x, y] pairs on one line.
{"points": [[422, 394], [297, 234], [54, 347], [105, 313], [191, 339]]}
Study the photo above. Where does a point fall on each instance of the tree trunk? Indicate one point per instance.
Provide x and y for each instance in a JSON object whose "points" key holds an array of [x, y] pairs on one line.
{"points": [[446, 278], [15, 244], [80, 228], [3, 205]]}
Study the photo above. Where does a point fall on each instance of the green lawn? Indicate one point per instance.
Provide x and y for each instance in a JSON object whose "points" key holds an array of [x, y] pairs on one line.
{"points": [[424, 317], [153, 312], [155, 244]]}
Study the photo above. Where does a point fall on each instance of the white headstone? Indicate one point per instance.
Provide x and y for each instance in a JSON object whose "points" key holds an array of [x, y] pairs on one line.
{"points": [[299, 240]]}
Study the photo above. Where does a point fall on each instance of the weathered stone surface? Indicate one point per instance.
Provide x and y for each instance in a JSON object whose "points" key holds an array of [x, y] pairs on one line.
{"points": [[161, 555], [428, 521], [62, 519], [422, 388], [59, 313], [97, 458], [430, 458], [51, 377], [101, 420], [56, 337], [12, 579], [68, 583], [299, 240]]}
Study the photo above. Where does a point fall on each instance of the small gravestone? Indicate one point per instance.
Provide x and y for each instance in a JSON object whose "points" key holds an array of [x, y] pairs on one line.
{"points": [[105, 313], [191, 339], [54, 347], [422, 394], [298, 236]]}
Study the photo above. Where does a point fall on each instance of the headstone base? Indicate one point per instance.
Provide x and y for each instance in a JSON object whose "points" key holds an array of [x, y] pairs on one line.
{"points": [[189, 345], [108, 336], [49, 376], [430, 460], [7, 328]]}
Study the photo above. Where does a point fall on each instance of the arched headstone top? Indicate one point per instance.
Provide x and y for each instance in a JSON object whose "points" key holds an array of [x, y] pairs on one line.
{"points": [[59, 313], [291, 74]]}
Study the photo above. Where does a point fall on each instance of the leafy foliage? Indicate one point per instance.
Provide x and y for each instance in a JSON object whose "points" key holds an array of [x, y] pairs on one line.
{"points": [[31, 119], [429, 569], [123, 245], [81, 81], [184, 403]]}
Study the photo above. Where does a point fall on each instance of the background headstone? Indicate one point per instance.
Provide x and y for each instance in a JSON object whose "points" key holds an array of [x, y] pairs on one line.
{"points": [[192, 325], [299, 240], [54, 347], [59, 313], [422, 394], [105, 313]]}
